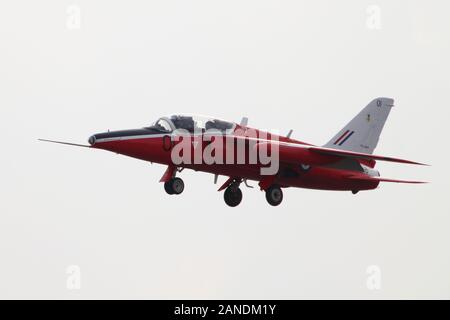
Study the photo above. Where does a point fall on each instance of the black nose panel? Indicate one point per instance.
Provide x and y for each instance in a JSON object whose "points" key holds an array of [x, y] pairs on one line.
{"points": [[122, 134]]}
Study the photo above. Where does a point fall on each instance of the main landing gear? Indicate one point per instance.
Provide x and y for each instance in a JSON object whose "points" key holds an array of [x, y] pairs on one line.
{"points": [[233, 194], [174, 186], [274, 195]]}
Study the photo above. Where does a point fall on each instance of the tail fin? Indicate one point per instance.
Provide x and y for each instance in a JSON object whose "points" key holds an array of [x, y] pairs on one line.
{"points": [[363, 132]]}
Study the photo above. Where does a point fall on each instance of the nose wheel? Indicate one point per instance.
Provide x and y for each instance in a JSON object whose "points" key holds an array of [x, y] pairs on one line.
{"points": [[174, 186], [274, 195]]}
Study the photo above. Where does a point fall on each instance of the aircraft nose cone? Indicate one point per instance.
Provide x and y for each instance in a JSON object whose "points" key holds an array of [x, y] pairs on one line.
{"points": [[92, 140]]}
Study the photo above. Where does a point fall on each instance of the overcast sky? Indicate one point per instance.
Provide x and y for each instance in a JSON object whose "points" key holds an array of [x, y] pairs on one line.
{"points": [[69, 69]]}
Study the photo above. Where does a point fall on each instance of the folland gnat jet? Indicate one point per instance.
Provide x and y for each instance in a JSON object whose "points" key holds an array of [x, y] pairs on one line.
{"points": [[242, 153]]}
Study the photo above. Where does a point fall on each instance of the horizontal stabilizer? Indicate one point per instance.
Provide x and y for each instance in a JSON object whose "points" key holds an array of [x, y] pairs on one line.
{"points": [[358, 155], [66, 143], [368, 178]]}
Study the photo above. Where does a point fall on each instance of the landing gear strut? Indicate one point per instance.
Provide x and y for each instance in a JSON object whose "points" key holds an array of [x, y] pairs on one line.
{"points": [[233, 195], [174, 186], [274, 195]]}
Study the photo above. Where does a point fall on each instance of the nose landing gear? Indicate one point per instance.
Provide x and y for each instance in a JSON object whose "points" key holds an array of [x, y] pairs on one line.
{"points": [[172, 184]]}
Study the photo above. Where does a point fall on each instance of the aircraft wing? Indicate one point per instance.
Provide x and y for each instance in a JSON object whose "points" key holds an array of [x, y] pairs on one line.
{"points": [[300, 153], [357, 155]]}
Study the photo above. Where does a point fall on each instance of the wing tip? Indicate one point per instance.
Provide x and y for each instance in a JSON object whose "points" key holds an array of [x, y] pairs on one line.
{"points": [[418, 163]]}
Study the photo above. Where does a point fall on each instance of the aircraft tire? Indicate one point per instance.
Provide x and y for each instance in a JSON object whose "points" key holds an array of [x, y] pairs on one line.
{"points": [[274, 195], [177, 185], [168, 187], [232, 196], [174, 186]]}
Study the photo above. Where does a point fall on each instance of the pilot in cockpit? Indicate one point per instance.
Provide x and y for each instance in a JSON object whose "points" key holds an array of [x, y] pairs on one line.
{"points": [[186, 123], [218, 125]]}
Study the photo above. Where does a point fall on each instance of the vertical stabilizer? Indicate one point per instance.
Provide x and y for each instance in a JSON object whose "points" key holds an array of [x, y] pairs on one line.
{"points": [[363, 132]]}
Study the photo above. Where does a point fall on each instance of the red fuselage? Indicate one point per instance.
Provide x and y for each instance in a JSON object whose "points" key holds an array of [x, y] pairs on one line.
{"points": [[155, 146]]}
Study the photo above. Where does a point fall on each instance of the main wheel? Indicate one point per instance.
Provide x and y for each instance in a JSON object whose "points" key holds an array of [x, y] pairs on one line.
{"points": [[177, 185], [168, 187], [174, 186], [232, 196], [274, 195]]}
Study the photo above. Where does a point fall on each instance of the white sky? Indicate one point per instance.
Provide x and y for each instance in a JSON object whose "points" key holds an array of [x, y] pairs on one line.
{"points": [[303, 65]]}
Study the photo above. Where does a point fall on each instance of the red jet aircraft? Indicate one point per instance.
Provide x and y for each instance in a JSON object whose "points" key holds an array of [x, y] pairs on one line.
{"points": [[345, 163]]}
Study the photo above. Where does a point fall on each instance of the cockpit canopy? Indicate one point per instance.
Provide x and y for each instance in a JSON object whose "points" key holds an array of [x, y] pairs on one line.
{"points": [[192, 124]]}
